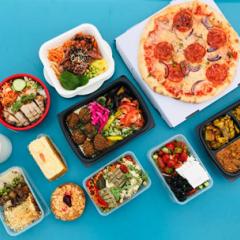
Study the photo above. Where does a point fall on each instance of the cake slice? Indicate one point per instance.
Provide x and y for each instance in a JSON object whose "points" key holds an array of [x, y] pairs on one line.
{"points": [[47, 157]]}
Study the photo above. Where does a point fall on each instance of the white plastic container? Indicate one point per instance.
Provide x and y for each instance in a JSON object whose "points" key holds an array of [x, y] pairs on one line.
{"points": [[94, 83], [5, 148], [179, 137], [38, 198]]}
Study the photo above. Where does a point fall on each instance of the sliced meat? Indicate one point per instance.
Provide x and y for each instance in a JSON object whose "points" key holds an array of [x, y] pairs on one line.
{"points": [[11, 119], [175, 72], [36, 108], [95, 54], [194, 53], [217, 73], [183, 21], [216, 37], [117, 177], [39, 100], [163, 51], [22, 119], [28, 113]]}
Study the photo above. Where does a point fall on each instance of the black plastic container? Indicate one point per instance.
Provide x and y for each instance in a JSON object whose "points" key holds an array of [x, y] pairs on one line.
{"points": [[213, 152], [121, 81]]}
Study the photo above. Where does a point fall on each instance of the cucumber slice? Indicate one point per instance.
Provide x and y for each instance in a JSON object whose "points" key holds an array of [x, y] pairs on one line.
{"points": [[19, 84]]}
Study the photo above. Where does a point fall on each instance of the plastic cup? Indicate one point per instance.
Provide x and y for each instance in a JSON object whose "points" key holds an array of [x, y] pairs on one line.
{"points": [[5, 148]]}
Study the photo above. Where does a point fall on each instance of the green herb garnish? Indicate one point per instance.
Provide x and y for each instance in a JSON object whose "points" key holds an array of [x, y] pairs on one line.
{"points": [[16, 106], [71, 81]]}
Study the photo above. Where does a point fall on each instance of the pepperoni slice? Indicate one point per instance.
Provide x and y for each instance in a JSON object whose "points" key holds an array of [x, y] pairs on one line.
{"points": [[175, 72], [194, 53], [217, 73], [163, 51], [183, 21], [216, 37]]}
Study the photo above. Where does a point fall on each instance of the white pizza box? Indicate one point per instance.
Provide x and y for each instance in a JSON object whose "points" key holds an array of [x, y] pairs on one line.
{"points": [[172, 111]]}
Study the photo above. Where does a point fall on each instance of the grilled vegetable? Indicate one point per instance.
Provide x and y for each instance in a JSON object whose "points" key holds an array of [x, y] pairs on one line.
{"points": [[220, 132]]}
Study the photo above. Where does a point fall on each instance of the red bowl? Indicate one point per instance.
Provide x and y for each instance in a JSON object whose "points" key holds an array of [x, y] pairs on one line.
{"points": [[20, 75]]}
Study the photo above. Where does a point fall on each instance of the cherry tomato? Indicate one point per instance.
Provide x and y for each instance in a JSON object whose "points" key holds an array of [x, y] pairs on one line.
{"points": [[165, 158], [160, 163], [171, 164], [129, 158], [123, 168], [183, 156], [170, 146]]}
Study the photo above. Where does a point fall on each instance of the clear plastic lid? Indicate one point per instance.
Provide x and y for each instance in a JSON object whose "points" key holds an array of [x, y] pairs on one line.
{"points": [[193, 154], [141, 190], [40, 202]]}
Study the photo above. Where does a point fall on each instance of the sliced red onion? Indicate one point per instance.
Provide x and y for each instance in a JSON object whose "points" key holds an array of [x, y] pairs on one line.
{"points": [[166, 69], [206, 23], [185, 68], [190, 34], [195, 85], [194, 68], [211, 49], [214, 59]]}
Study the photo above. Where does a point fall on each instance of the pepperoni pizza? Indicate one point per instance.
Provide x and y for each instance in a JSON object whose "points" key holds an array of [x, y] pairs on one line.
{"points": [[188, 52]]}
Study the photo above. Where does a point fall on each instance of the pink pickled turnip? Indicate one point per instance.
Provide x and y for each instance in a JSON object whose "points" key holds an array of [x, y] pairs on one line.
{"points": [[99, 115]]}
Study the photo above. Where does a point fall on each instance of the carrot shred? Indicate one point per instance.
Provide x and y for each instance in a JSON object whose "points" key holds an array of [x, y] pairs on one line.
{"points": [[56, 55]]}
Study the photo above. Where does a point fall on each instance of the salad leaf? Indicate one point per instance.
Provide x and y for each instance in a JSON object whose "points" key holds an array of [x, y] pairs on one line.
{"points": [[71, 81], [116, 193], [27, 98], [16, 106]]}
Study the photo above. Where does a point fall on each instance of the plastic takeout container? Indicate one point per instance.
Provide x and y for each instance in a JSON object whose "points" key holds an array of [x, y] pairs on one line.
{"points": [[213, 152], [178, 137], [93, 83], [140, 191], [121, 81], [37, 196]]}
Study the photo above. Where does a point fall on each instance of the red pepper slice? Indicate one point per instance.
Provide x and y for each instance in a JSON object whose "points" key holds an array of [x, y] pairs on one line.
{"points": [[100, 202], [123, 168]]}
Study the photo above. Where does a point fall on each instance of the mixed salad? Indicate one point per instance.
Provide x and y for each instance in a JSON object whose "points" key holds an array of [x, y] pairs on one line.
{"points": [[111, 118], [182, 172], [77, 61], [22, 101], [116, 183]]}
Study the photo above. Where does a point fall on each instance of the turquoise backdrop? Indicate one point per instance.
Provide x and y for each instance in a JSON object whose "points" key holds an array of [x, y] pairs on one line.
{"points": [[24, 26]]}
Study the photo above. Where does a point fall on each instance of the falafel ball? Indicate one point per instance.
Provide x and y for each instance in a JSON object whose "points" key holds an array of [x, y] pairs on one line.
{"points": [[84, 115], [78, 136], [90, 130], [73, 120], [100, 142], [88, 148]]}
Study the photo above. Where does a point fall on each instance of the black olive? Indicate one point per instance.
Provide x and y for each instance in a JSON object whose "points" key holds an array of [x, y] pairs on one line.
{"points": [[67, 199], [101, 183]]}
